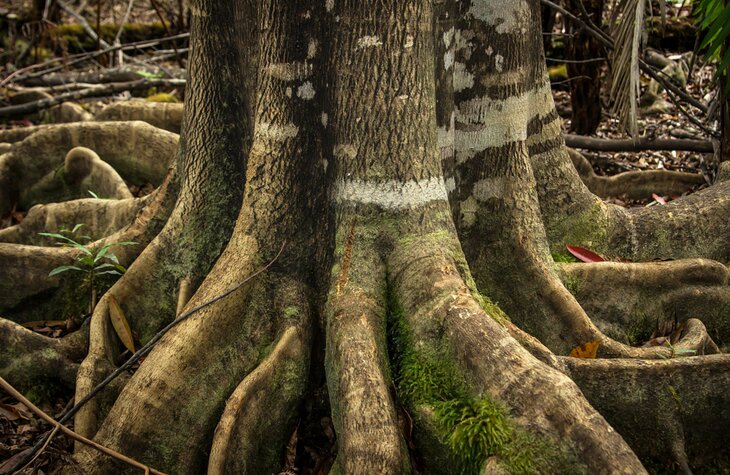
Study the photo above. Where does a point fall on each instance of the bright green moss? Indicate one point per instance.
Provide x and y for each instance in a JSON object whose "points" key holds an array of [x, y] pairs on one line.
{"points": [[473, 428]]}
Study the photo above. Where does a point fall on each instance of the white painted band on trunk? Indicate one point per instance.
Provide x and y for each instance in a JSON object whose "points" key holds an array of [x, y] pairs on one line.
{"points": [[392, 194], [487, 122]]}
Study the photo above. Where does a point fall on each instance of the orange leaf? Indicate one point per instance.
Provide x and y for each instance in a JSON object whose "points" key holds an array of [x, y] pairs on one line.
{"points": [[586, 350]]}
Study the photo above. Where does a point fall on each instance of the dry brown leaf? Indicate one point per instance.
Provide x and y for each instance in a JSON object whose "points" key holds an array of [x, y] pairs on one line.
{"points": [[586, 350], [120, 324]]}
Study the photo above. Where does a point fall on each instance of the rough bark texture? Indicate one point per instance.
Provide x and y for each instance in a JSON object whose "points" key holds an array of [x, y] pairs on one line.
{"points": [[386, 171]]}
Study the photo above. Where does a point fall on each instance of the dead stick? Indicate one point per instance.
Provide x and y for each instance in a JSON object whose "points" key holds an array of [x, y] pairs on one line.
{"points": [[105, 450], [107, 90], [641, 143]]}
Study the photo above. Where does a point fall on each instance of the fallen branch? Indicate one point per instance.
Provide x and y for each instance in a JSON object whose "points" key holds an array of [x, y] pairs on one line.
{"points": [[100, 91], [635, 145], [22, 75], [58, 426]]}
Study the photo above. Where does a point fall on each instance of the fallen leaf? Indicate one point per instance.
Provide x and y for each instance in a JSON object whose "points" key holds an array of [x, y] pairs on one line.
{"points": [[658, 199], [586, 350], [584, 254], [120, 324]]}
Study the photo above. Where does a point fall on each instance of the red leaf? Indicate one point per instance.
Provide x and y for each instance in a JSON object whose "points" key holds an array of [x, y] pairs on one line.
{"points": [[658, 199], [584, 254]]}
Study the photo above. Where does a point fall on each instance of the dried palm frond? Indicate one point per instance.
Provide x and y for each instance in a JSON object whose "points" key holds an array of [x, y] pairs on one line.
{"points": [[627, 24]]}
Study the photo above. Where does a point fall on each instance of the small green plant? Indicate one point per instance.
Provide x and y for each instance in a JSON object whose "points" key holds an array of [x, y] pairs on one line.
{"points": [[91, 264]]}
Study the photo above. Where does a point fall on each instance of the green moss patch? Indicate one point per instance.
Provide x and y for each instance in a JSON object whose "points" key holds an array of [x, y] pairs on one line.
{"points": [[472, 428]]}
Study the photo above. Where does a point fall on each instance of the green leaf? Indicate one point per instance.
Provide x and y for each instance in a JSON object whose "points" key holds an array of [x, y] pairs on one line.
{"points": [[77, 227], [111, 272], [60, 269], [88, 261], [93, 194], [100, 254], [113, 258]]}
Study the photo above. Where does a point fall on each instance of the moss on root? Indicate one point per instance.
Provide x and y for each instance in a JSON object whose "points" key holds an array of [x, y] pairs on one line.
{"points": [[471, 428]]}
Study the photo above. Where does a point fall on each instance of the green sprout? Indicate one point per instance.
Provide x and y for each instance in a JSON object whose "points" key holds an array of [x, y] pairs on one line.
{"points": [[91, 264]]}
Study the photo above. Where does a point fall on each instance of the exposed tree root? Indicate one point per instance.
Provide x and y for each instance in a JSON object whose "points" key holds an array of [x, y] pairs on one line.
{"points": [[692, 226], [635, 184], [369, 440], [30, 360], [138, 151], [167, 116], [444, 317], [82, 172], [259, 414], [628, 301], [675, 407], [100, 218]]}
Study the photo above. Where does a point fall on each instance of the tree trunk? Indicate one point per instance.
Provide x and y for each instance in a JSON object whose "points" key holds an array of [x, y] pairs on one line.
{"points": [[585, 84], [357, 183]]}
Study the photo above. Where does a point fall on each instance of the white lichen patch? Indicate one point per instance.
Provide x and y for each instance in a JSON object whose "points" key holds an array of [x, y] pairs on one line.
{"points": [[507, 16], [306, 91], [485, 122], [498, 62], [368, 41], [289, 71], [391, 194], [312, 48], [463, 79], [449, 36], [450, 184], [344, 151], [288, 92], [409, 42], [277, 132], [324, 118], [448, 59], [329, 5]]}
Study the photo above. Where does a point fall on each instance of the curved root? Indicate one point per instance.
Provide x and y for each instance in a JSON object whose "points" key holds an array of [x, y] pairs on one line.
{"points": [[634, 184], [138, 151], [675, 406], [259, 414], [29, 359], [629, 300], [369, 440], [100, 218], [442, 313], [166, 115]]}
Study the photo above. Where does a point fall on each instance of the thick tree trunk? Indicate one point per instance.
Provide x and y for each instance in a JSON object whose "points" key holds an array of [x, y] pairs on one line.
{"points": [[377, 156]]}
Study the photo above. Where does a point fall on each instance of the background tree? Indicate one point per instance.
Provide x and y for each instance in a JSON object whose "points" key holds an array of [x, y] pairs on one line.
{"points": [[401, 167]]}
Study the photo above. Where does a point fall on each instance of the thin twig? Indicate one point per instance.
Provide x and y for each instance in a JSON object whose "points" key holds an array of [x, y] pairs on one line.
{"points": [[48, 441], [144, 350], [58, 426]]}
